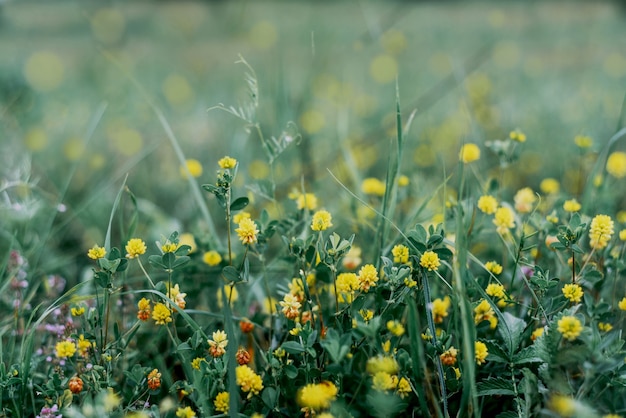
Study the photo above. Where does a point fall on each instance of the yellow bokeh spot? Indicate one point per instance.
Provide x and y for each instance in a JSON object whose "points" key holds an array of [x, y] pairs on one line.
{"points": [[364, 105], [126, 141], [73, 148], [36, 139], [194, 167], [258, 169], [97, 161], [394, 42], [424, 156], [496, 18], [312, 121], [440, 63], [384, 68], [177, 90], [44, 71], [506, 54], [263, 35], [615, 65], [108, 25]]}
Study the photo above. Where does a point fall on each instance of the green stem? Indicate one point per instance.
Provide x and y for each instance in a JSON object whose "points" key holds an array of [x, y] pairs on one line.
{"points": [[433, 331]]}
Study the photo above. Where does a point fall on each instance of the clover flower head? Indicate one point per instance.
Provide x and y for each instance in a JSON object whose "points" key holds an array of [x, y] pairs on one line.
{"points": [[572, 292], [247, 231], [469, 153], [487, 204], [570, 327], [600, 231], [227, 163], [322, 220], [135, 247], [96, 252], [481, 352], [430, 260]]}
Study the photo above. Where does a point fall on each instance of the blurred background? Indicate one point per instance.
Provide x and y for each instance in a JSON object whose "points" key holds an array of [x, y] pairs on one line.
{"points": [[82, 84]]}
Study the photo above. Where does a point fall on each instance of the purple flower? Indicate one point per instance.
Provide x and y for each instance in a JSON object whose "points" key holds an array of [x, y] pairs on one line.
{"points": [[50, 412]]}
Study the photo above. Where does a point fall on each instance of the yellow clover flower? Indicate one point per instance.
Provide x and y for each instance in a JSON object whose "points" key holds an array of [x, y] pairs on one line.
{"points": [[469, 153], [400, 254], [616, 164], [247, 231], [221, 402], [600, 231], [135, 247], [481, 352], [488, 204], [573, 292], [504, 219], [321, 220], [96, 252], [227, 163], [430, 260], [161, 314], [571, 205], [212, 258], [570, 327], [65, 348]]}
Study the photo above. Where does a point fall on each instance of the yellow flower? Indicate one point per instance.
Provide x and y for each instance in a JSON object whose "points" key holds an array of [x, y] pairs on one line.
{"points": [[290, 306], [396, 328], [143, 309], [185, 412], [368, 314], [400, 254], [212, 258], [65, 348], [177, 296], [373, 186], [169, 247], [583, 141], [536, 334], [549, 186], [347, 284], [440, 309], [622, 304], [161, 314], [481, 353], [403, 181], [573, 292], [616, 164], [495, 290], [135, 247], [600, 231], [221, 402], [380, 363], [306, 201], [188, 239], [84, 345], [488, 204], [564, 406], [524, 199], [483, 312], [493, 267], [321, 221], [571, 205], [194, 167], [469, 153], [227, 162], [430, 260], [604, 327], [368, 276], [96, 252], [247, 231], [403, 387], [78, 311], [517, 136], [504, 219], [382, 381], [195, 363], [317, 396], [240, 216], [622, 235], [570, 327], [248, 380]]}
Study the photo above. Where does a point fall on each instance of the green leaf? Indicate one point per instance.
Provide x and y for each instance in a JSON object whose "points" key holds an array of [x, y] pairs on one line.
{"points": [[269, 397], [239, 203], [180, 261], [511, 332], [293, 347], [527, 355], [210, 188], [495, 386], [231, 274], [290, 371], [156, 261]]}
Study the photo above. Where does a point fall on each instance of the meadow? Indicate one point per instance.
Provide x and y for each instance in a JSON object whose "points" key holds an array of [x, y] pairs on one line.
{"points": [[315, 209]]}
